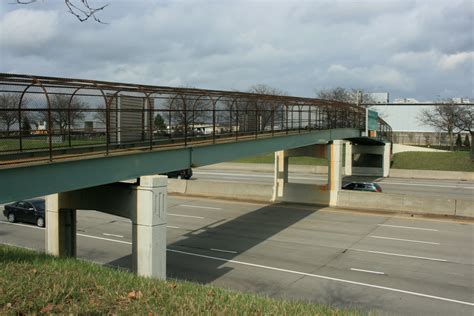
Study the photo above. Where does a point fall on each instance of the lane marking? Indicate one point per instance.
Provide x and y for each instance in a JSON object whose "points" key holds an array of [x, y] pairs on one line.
{"points": [[324, 177], [409, 227], [407, 240], [112, 235], [300, 273], [190, 216], [323, 277], [428, 185], [240, 175], [23, 225], [222, 250], [175, 227], [106, 239], [398, 255], [368, 271], [206, 207]]}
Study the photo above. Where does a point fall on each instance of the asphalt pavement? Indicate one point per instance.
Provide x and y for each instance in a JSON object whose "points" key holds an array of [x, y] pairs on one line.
{"points": [[389, 264], [450, 189]]}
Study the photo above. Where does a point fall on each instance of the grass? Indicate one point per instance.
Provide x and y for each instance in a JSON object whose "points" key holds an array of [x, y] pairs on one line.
{"points": [[270, 158], [451, 161], [32, 283], [42, 143]]}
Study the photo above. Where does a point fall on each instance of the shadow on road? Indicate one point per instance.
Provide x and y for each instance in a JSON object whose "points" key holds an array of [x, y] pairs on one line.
{"points": [[238, 234]]}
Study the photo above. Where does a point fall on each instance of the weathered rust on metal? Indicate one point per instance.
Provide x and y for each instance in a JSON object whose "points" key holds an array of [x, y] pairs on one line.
{"points": [[106, 117]]}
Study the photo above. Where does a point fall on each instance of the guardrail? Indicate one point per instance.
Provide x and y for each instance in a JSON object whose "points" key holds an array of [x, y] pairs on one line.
{"points": [[43, 118]]}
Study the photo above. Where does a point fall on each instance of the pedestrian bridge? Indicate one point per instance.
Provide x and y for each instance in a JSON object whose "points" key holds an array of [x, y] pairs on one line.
{"points": [[77, 141], [59, 134]]}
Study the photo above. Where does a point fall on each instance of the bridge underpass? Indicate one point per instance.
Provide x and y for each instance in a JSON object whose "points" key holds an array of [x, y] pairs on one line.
{"points": [[81, 167]]}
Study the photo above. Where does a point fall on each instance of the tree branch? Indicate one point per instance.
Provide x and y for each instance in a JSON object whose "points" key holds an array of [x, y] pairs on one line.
{"points": [[81, 9]]}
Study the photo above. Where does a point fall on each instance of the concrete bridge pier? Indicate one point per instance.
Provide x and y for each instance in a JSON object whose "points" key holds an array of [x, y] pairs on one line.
{"points": [[367, 160], [308, 193], [145, 203], [334, 170]]}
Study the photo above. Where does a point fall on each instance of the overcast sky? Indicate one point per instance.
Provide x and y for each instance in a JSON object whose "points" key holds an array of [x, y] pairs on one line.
{"points": [[420, 49]]}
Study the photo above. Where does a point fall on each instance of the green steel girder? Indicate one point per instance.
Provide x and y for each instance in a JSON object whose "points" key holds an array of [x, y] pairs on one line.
{"points": [[31, 181]]}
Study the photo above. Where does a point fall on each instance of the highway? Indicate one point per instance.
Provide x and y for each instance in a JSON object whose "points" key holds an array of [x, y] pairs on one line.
{"points": [[390, 264], [453, 189]]}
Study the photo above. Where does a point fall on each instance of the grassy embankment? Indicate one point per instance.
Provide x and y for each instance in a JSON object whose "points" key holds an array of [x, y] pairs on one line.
{"points": [[32, 283], [451, 161]]}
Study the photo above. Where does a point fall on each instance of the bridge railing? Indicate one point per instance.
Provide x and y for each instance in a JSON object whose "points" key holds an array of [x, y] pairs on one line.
{"points": [[46, 118]]}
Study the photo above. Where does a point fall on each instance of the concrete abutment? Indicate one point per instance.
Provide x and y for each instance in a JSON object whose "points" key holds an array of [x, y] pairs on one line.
{"points": [[145, 204]]}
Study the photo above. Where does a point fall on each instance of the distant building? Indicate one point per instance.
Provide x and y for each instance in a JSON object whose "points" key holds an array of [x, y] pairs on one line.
{"points": [[404, 118]]}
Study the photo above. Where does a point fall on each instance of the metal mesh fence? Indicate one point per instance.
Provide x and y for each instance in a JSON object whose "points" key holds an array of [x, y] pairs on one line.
{"points": [[44, 118]]}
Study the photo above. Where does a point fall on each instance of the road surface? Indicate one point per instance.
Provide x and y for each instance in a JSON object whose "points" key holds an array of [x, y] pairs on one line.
{"points": [[450, 189], [384, 263]]}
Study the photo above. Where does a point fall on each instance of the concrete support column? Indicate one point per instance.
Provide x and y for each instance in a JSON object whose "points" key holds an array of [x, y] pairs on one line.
{"points": [[60, 228], [280, 174], [348, 159], [335, 170], [386, 160], [149, 227]]}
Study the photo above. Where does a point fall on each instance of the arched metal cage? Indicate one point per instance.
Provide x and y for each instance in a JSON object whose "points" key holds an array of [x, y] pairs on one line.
{"points": [[44, 118]]}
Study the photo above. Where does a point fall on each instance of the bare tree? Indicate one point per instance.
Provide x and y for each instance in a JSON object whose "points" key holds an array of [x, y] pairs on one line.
{"points": [[255, 112], [445, 117], [354, 96], [9, 103], [181, 111], [81, 9], [466, 123], [63, 113]]}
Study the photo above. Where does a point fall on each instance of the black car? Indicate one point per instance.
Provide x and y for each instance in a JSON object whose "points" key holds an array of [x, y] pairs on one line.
{"points": [[363, 186], [183, 174], [28, 211]]}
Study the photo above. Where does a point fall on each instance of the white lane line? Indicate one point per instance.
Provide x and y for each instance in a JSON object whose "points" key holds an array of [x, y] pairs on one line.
{"points": [[112, 235], [222, 250], [23, 225], [368, 271], [398, 255], [324, 277], [196, 206], [427, 185], [409, 227], [301, 273], [175, 227], [407, 240], [253, 175], [190, 216], [106, 239]]}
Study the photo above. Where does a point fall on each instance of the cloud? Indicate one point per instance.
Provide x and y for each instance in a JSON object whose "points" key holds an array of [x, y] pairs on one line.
{"points": [[371, 77], [23, 30], [409, 48], [453, 61]]}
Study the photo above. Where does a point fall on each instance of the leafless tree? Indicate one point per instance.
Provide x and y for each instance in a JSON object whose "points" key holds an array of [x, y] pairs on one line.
{"points": [[9, 103], [255, 112], [182, 111], [446, 117], [63, 113], [466, 123], [354, 96], [81, 9]]}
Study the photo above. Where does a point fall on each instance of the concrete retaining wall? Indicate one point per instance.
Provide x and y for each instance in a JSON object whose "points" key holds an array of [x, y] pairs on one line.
{"points": [[305, 193], [242, 191], [314, 194], [465, 208], [405, 203]]}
